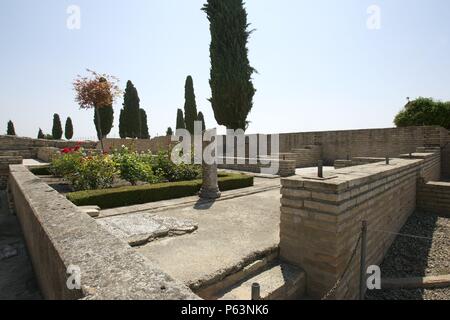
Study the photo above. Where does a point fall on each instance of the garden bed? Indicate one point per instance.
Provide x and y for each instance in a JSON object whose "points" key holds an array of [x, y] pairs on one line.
{"points": [[132, 195]]}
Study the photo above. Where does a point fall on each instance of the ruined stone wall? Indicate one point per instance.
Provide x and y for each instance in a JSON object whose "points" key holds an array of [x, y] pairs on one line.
{"points": [[27, 148], [5, 161], [367, 143], [321, 218], [59, 235], [46, 154]]}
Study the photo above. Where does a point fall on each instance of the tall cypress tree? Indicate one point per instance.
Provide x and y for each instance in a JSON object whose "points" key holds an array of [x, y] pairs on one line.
{"points": [[180, 120], [190, 106], [68, 132], [231, 74], [10, 131], [57, 128], [106, 121], [143, 132], [40, 135], [130, 118], [122, 124], [201, 118]]}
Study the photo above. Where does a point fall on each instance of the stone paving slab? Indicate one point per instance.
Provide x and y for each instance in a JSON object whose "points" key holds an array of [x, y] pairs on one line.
{"points": [[140, 228]]}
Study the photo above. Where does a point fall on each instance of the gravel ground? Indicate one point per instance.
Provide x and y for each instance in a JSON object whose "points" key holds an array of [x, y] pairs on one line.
{"points": [[414, 257]]}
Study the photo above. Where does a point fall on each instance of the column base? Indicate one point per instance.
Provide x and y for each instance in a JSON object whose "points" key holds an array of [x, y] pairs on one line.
{"points": [[205, 193]]}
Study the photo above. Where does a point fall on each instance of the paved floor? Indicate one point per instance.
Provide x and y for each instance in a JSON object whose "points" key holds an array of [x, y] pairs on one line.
{"points": [[230, 234], [17, 280]]}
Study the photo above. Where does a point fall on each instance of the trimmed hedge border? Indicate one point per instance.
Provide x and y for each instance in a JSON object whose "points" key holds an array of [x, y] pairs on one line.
{"points": [[132, 195]]}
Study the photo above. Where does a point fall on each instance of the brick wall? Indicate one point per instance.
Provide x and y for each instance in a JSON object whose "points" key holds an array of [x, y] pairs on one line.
{"points": [[366, 143], [321, 218], [434, 197]]}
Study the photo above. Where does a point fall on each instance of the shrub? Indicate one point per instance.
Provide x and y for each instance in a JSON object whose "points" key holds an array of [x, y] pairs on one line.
{"points": [[84, 173], [424, 112], [172, 172], [126, 196], [133, 168]]}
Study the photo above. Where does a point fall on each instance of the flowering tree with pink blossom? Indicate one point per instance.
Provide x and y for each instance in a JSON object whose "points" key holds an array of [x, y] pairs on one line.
{"points": [[96, 91]]}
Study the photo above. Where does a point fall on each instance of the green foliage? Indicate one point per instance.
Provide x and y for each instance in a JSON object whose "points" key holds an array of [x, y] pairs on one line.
{"points": [[106, 121], [122, 124], [231, 74], [132, 168], [57, 128], [68, 132], [180, 120], [129, 119], [201, 118], [126, 196], [40, 134], [85, 172], [190, 106], [171, 172], [143, 132], [424, 112], [48, 137], [10, 131], [169, 132]]}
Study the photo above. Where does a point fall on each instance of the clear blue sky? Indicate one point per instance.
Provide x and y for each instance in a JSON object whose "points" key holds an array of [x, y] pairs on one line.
{"points": [[320, 67]]}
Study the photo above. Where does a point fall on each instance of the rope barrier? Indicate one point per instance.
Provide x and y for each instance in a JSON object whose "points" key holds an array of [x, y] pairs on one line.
{"points": [[338, 282]]}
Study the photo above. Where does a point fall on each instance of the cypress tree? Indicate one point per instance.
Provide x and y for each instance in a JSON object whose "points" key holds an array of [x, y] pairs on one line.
{"points": [[40, 135], [231, 74], [180, 120], [130, 119], [190, 106], [57, 128], [10, 131], [122, 124], [143, 132], [201, 118], [68, 132], [106, 121], [169, 131]]}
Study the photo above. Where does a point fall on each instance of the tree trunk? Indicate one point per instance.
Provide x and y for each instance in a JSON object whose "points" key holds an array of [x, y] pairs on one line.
{"points": [[99, 129]]}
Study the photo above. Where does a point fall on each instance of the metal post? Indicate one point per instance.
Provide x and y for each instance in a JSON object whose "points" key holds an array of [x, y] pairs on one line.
{"points": [[362, 270], [320, 169], [387, 160], [256, 291]]}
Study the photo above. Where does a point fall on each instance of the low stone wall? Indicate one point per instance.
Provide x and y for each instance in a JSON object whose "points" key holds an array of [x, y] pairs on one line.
{"points": [[358, 161], [59, 235], [5, 161], [27, 148], [46, 154], [434, 197], [284, 168], [141, 145], [321, 218]]}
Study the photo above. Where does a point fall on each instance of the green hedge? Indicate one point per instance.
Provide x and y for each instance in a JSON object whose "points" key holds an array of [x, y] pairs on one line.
{"points": [[126, 196]]}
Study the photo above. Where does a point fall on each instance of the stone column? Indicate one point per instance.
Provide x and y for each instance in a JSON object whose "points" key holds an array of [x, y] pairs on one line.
{"points": [[210, 186]]}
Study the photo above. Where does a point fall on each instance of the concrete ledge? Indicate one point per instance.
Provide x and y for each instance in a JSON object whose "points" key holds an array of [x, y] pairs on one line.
{"points": [[418, 282], [58, 235]]}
